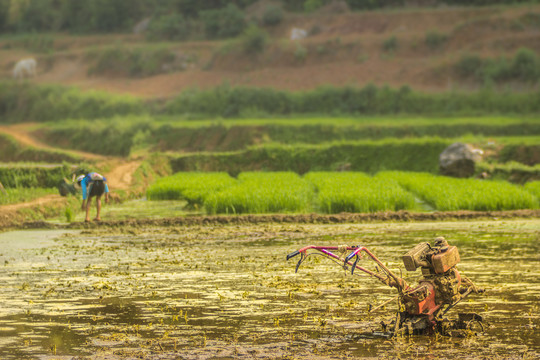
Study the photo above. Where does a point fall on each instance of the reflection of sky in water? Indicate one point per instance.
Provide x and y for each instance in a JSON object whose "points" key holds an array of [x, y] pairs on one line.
{"points": [[228, 291]]}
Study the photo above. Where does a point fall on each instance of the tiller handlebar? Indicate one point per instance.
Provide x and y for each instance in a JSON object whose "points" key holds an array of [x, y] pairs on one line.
{"points": [[389, 278], [440, 288]]}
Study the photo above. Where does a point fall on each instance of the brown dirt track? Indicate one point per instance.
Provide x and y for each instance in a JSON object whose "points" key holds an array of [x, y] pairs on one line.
{"points": [[284, 218]]}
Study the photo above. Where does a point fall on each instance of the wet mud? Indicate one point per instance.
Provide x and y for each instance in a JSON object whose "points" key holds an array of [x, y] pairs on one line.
{"points": [[226, 291], [287, 218]]}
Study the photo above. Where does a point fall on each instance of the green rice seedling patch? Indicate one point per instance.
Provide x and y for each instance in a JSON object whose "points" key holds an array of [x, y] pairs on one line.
{"points": [[358, 192], [20, 195], [193, 187], [260, 192], [533, 187], [336, 192], [445, 193]]}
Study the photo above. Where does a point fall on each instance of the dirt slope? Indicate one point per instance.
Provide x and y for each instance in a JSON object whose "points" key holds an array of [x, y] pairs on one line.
{"points": [[14, 215], [344, 49], [23, 134], [120, 177]]}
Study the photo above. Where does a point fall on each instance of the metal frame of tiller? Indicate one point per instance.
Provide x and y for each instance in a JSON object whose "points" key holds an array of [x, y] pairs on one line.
{"points": [[422, 307]]}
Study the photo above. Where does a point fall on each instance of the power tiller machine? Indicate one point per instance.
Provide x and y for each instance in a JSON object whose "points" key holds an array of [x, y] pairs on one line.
{"points": [[421, 308]]}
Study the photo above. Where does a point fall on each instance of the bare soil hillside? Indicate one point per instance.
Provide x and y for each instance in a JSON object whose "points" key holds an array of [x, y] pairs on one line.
{"points": [[342, 49]]}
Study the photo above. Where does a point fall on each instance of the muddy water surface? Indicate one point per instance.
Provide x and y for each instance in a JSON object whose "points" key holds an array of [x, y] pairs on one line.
{"points": [[205, 292]]}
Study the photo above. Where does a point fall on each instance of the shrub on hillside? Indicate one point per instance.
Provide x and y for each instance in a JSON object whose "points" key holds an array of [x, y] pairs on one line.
{"points": [[168, 27], [390, 44], [468, 65], [272, 16], [101, 15], [32, 42], [530, 19], [300, 53], [435, 40], [223, 23], [36, 15], [493, 70], [135, 62], [253, 40], [229, 101], [26, 102], [525, 65], [312, 5], [4, 11]]}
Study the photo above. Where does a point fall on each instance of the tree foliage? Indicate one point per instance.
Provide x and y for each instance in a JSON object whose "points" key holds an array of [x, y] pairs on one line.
{"points": [[223, 23], [221, 17]]}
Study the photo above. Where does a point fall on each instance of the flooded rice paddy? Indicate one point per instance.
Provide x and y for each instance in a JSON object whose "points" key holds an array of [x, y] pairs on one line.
{"points": [[218, 292]]}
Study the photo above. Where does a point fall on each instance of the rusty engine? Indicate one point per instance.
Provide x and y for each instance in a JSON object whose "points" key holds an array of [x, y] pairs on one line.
{"points": [[422, 307]]}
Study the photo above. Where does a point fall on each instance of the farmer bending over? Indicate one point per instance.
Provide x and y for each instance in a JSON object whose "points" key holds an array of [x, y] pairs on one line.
{"points": [[92, 184]]}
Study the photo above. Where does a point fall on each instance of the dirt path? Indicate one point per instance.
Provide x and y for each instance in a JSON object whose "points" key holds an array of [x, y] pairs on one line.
{"points": [[22, 133], [12, 216], [121, 176], [36, 202]]}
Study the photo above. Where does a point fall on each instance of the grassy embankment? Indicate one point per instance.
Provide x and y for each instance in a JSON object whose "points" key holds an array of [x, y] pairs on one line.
{"points": [[304, 144], [24, 102], [130, 132], [17, 195]]}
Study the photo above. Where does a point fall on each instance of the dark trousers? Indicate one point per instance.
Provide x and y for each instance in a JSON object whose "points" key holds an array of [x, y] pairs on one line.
{"points": [[97, 188]]}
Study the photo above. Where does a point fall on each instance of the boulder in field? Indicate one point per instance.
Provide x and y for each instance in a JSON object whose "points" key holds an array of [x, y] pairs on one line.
{"points": [[459, 160]]}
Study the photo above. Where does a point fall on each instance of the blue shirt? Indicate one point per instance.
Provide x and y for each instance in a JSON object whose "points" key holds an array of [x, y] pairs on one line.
{"points": [[89, 179]]}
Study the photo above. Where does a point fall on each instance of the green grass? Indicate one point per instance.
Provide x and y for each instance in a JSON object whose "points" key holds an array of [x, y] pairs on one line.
{"points": [[39, 103], [124, 135], [445, 193], [192, 187], [358, 192], [31, 175], [21, 102], [364, 155], [259, 192], [534, 188], [335, 192], [20, 195], [13, 151]]}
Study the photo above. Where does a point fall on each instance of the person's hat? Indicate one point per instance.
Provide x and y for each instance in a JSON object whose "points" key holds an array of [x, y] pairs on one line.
{"points": [[77, 183]]}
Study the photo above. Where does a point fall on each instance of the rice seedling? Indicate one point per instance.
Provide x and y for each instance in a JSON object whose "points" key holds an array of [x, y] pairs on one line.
{"points": [[534, 188], [335, 192], [193, 187], [445, 193], [358, 192], [262, 192]]}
